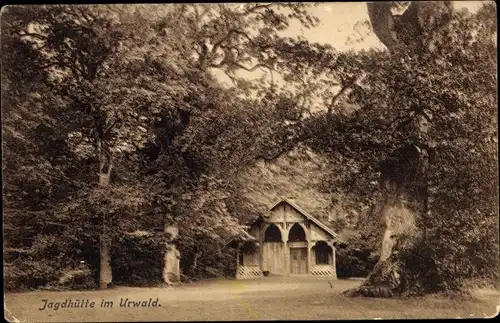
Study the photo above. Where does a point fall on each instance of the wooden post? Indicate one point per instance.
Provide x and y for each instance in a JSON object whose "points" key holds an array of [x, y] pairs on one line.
{"points": [[309, 255], [284, 238], [309, 247], [286, 252], [263, 266], [334, 265], [237, 260]]}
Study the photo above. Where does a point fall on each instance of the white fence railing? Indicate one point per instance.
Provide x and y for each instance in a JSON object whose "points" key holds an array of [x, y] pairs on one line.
{"points": [[249, 272], [323, 270]]}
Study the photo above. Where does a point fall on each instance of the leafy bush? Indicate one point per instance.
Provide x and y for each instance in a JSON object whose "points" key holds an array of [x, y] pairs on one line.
{"points": [[80, 278], [138, 260], [209, 264], [354, 262], [448, 264], [30, 275]]}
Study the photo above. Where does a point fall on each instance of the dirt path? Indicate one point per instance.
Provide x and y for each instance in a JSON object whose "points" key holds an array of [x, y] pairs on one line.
{"points": [[222, 300]]}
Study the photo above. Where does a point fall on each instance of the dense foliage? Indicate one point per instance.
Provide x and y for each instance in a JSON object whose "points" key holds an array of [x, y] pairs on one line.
{"points": [[115, 122], [443, 102]]}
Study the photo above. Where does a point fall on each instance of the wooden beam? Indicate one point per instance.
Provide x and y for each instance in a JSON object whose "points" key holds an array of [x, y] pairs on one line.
{"points": [[238, 259]]}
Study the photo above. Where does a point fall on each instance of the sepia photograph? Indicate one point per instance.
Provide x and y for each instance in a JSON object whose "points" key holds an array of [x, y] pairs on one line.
{"points": [[256, 161]]}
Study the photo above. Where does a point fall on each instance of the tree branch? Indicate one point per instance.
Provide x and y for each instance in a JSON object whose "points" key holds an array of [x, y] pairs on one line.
{"points": [[199, 17], [382, 22], [255, 8], [110, 164], [349, 85], [85, 15], [110, 127], [242, 33], [239, 32], [336, 97], [229, 75], [272, 77], [251, 69], [41, 37]]}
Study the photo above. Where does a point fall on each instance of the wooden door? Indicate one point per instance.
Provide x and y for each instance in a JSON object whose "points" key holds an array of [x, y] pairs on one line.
{"points": [[298, 261], [273, 257]]}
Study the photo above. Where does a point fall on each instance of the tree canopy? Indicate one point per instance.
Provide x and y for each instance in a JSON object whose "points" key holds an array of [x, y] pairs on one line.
{"points": [[440, 102], [115, 121]]}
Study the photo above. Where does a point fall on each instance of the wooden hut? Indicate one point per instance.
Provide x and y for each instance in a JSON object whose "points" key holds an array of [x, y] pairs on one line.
{"points": [[288, 241]]}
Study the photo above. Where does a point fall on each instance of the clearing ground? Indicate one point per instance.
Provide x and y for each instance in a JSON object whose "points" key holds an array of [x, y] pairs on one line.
{"points": [[271, 298]]}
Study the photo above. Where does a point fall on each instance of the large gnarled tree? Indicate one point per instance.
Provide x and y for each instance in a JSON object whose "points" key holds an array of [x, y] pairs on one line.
{"points": [[423, 141]]}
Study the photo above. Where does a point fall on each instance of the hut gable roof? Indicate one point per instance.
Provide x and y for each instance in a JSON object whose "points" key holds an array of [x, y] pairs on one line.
{"points": [[305, 214], [242, 236], [247, 237]]}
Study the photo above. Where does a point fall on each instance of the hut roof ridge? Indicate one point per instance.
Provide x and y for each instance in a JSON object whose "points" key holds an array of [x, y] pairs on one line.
{"points": [[304, 213]]}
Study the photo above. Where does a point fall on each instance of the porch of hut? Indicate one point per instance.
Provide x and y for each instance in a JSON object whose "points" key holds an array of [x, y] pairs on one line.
{"points": [[289, 242]]}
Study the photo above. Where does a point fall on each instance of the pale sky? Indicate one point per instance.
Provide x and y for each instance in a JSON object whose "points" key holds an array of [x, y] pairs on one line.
{"points": [[339, 19], [337, 28]]}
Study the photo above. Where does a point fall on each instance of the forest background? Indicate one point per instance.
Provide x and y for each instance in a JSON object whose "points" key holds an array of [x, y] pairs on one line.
{"points": [[117, 119]]}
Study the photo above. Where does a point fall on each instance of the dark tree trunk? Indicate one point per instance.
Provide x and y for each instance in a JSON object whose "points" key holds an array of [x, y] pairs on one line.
{"points": [[403, 178], [105, 270], [401, 208]]}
